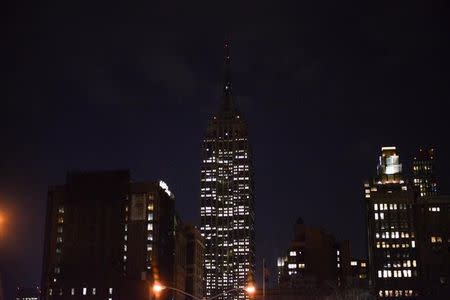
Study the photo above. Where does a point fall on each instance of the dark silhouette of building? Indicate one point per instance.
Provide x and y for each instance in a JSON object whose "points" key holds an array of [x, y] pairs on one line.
{"points": [[433, 231], [392, 232], [424, 177], [32, 293], [2, 288], [314, 258], [195, 254], [359, 277], [108, 238], [227, 197]]}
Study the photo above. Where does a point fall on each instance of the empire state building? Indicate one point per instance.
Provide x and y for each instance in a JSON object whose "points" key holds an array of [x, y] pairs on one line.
{"points": [[227, 198]]}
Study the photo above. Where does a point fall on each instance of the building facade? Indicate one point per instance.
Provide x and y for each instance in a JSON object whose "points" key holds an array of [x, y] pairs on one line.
{"points": [[27, 293], [227, 198], [314, 258], [392, 231], [433, 226], [423, 171], [195, 254], [107, 237]]}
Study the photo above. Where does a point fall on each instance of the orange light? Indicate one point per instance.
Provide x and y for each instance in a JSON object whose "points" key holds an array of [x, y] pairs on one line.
{"points": [[250, 289], [157, 287]]}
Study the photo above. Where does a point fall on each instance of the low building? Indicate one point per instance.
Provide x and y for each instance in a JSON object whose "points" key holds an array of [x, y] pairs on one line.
{"points": [[313, 258], [195, 253], [432, 215], [359, 277], [27, 293], [323, 291]]}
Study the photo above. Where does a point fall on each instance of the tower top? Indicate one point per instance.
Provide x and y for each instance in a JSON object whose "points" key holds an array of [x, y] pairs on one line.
{"points": [[227, 104]]}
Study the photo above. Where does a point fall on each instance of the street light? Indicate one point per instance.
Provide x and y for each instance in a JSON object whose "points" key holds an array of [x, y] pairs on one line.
{"points": [[158, 287], [250, 289]]}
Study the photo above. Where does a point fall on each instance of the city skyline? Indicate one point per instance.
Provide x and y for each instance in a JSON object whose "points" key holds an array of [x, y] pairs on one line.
{"points": [[322, 89]]}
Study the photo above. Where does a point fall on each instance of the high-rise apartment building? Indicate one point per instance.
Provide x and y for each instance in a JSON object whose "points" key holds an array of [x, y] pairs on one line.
{"points": [[109, 238], [227, 197], [424, 178], [392, 232]]}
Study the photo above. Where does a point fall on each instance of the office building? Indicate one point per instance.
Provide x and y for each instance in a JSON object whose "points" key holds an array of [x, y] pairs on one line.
{"points": [[392, 232], [424, 178], [227, 198], [107, 237]]}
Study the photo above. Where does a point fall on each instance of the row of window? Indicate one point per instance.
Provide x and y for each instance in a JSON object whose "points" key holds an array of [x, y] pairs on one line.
{"points": [[396, 273], [396, 293], [395, 245], [83, 291]]}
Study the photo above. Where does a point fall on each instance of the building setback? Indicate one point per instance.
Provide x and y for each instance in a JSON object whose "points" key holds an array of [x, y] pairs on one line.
{"points": [[108, 238], [227, 198]]}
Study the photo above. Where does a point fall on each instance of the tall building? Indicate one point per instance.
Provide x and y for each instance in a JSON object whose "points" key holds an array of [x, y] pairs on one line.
{"points": [[424, 178], [391, 229], [227, 197], [107, 237], [313, 258]]}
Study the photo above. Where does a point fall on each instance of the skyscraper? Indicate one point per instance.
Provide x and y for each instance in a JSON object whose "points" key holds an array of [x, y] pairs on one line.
{"points": [[424, 173], [227, 197], [392, 234]]}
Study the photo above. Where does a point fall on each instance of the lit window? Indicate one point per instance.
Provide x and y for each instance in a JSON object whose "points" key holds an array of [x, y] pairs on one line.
{"points": [[84, 291], [301, 266], [353, 263], [110, 291], [292, 253], [94, 291], [149, 226]]}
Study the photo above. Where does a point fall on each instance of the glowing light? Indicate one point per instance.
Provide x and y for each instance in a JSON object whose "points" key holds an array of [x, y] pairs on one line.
{"points": [[250, 289], [157, 287]]}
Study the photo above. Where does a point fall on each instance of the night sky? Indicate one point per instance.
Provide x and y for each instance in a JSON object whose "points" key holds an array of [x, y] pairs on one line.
{"points": [[123, 85]]}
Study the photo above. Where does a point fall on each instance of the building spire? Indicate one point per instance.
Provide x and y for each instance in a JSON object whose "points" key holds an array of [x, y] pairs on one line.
{"points": [[227, 93]]}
